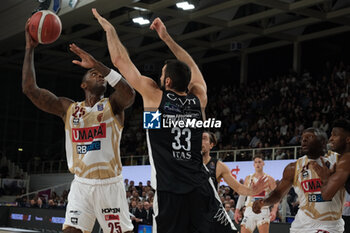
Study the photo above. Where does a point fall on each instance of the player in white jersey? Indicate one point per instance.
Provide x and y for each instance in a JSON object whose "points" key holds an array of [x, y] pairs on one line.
{"points": [[315, 215], [252, 220], [93, 131]]}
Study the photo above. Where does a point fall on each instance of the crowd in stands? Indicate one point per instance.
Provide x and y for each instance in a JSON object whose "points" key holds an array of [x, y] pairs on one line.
{"points": [[271, 113], [39, 200]]}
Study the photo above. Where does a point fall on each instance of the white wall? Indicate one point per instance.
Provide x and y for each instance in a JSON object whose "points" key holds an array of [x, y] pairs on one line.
{"points": [[143, 173]]}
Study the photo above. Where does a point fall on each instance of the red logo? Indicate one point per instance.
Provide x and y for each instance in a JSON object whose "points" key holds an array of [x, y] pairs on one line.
{"points": [[235, 170], [89, 134], [110, 217], [262, 194], [313, 185]]}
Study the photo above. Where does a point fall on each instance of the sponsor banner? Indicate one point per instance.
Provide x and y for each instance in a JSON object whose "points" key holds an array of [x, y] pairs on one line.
{"points": [[239, 170]]}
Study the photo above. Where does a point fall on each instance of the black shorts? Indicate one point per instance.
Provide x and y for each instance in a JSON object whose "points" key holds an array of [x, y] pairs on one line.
{"points": [[199, 211]]}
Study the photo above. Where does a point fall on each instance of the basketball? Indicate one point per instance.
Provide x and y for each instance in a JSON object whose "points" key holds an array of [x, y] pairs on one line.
{"points": [[45, 27]]}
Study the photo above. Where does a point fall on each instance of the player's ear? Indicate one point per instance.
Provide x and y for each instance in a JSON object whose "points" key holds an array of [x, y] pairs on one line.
{"points": [[347, 140], [83, 85], [168, 82], [211, 145]]}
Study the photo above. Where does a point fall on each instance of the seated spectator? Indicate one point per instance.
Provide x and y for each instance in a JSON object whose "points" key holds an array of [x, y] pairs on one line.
{"points": [[52, 204], [148, 219], [229, 211], [133, 207]]}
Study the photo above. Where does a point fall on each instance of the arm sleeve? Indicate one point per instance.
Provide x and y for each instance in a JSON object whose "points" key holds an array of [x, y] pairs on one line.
{"points": [[240, 202]]}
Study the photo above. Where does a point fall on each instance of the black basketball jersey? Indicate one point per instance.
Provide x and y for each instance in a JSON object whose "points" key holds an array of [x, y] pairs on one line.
{"points": [[175, 149], [211, 165]]}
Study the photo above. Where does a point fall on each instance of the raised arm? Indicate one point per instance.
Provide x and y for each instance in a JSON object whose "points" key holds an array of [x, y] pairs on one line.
{"points": [[279, 192], [235, 185], [197, 84], [42, 98], [147, 87], [332, 183], [123, 96]]}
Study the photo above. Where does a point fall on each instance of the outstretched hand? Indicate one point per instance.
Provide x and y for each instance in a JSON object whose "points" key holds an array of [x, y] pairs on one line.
{"points": [[106, 25], [261, 185], [237, 216], [323, 172], [272, 216], [30, 42], [87, 61], [159, 26]]}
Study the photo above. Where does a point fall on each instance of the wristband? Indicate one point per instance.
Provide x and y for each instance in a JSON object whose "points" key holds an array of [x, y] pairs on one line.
{"points": [[113, 77]]}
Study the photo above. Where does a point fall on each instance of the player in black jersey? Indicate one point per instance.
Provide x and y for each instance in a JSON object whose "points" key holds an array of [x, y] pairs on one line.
{"points": [[185, 199], [218, 169], [340, 143]]}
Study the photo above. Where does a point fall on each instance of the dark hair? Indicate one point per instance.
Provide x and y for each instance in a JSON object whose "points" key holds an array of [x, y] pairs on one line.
{"points": [[212, 137], [319, 133], [342, 123], [179, 73], [258, 156]]}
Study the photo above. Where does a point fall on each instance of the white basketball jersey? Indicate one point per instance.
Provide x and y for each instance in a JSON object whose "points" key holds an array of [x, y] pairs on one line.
{"points": [[307, 185], [92, 140], [250, 199]]}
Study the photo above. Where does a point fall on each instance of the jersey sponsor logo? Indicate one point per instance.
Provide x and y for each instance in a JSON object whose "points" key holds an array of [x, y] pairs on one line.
{"points": [[313, 185], [100, 107], [111, 217], [75, 121], [151, 120], [315, 198], [75, 212], [74, 220], [110, 210], [171, 108], [184, 101], [83, 149], [181, 155], [305, 174], [89, 134]]}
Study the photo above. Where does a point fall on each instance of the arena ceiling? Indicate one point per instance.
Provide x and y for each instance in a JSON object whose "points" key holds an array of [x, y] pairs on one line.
{"points": [[209, 33]]}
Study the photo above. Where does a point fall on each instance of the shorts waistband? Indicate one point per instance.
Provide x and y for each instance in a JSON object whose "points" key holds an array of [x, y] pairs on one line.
{"points": [[98, 181]]}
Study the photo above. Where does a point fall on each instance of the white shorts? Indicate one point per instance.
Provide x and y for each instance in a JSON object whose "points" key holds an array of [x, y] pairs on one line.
{"points": [[252, 220], [303, 223], [103, 199]]}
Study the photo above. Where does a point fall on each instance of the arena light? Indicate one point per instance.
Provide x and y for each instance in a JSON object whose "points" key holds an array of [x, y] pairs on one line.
{"points": [[185, 5], [141, 20], [139, 8]]}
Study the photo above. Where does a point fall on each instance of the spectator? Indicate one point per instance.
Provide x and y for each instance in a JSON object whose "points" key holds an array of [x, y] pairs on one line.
{"points": [[126, 182], [133, 207], [148, 219], [229, 211]]}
